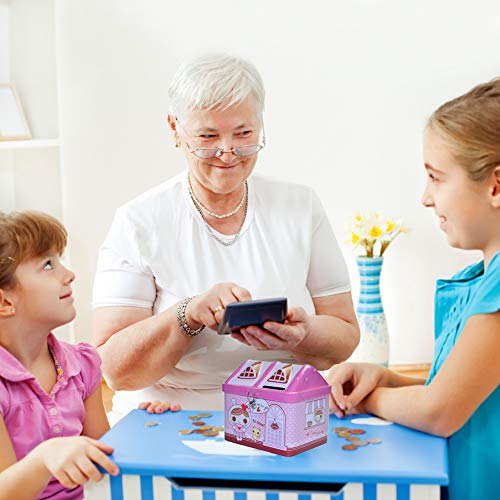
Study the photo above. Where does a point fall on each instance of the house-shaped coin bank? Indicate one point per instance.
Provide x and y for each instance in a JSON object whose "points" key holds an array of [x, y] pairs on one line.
{"points": [[277, 407]]}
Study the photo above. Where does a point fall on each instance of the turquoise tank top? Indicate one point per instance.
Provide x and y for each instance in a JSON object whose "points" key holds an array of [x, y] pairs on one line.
{"points": [[474, 450]]}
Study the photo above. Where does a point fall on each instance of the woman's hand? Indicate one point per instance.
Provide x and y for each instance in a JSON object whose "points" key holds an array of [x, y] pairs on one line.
{"points": [[159, 406], [208, 308], [71, 460], [277, 336], [351, 383]]}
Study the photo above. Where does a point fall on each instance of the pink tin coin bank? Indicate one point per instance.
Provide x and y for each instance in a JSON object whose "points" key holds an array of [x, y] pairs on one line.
{"points": [[277, 407]]}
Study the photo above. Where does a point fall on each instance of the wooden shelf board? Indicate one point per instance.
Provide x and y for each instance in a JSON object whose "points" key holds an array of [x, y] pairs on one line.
{"points": [[29, 144]]}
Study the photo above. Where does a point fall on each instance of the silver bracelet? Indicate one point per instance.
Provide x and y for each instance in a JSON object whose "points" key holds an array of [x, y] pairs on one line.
{"points": [[181, 319]]}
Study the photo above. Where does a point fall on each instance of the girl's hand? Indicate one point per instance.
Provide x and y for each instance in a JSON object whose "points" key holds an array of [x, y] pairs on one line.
{"points": [[70, 459], [208, 308], [159, 406], [351, 383], [277, 336]]}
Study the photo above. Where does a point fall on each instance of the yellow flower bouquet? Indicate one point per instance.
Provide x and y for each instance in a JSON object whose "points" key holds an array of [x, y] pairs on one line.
{"points": [[374, 232]]}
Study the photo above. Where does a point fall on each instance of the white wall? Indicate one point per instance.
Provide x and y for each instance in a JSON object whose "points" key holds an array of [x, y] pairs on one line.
{"points": [[349, 86], [32, 63], [4, 43]]}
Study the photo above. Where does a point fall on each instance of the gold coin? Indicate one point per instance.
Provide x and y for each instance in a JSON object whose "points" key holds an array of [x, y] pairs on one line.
{"points": [[353, 439], [357, 431], [340, 429], [185, 431], [218, 429], [205, 427], [349, 447], [198, 422], [198, 431], [151, 424], [205, 415], [194, 417], [360, 443], [343, 434], [210, 433], [374, 440]]}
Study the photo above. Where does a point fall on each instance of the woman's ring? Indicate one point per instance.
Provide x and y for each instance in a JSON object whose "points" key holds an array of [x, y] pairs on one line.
{"points": [[217, 309]]}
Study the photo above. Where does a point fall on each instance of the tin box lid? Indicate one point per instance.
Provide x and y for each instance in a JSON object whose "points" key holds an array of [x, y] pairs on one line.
{"points": [[277, 376]]}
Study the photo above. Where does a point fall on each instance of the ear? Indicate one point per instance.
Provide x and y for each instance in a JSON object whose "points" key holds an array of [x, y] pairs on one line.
{"points": [[495, 187], [7, 309], [173, 125]]}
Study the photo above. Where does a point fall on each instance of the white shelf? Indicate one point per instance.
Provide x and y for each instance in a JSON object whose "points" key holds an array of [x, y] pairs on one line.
{"points": [[29, 144]]}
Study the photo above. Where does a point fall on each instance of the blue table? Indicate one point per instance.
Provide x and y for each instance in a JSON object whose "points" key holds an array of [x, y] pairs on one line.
{"points": [[404, 457]]}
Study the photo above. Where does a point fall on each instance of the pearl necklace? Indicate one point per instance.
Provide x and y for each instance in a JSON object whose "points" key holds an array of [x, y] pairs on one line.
{"points": [[202, 207], [226, 243]]}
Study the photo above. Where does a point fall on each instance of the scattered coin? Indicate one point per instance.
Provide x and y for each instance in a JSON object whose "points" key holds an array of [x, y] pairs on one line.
{"points": [[357, 431], [210, 433], [349, 447], [151, 424], [343, 434], [201, 427], [352, 436]]}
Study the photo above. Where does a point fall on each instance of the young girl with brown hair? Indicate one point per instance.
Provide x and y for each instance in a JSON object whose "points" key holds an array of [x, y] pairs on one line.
{"points": [[51, 409]]}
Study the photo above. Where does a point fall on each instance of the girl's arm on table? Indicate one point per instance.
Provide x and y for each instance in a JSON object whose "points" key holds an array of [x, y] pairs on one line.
{"points": [[70, 459], [468, 376], [22, 480]]}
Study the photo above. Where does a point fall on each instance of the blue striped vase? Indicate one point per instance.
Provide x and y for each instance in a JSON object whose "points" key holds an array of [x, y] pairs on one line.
{"points": [[374, 342]]}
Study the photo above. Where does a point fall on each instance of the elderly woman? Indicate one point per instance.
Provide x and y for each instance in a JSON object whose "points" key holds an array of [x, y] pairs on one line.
{"points": [[215, 234]]}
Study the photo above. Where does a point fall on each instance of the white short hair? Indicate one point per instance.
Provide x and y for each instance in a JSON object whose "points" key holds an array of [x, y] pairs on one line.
{"points": [[214, 81]]}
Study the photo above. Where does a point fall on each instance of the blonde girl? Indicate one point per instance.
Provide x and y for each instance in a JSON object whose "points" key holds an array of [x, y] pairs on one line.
{"points": [[461, 398]]}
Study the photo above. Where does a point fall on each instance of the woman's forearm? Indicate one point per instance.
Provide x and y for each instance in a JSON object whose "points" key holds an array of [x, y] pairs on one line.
{"points": [[144, 352], [330, 341]]}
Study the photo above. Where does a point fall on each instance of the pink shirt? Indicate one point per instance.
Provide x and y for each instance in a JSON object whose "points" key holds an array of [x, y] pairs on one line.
{"points": [[33, 416]]}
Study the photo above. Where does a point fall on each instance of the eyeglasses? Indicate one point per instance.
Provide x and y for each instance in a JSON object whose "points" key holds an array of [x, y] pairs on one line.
{"points": [[239, 151]]}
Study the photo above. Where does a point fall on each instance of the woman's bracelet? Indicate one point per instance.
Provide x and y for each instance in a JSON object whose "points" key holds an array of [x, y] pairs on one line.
{"points": [[181, 318]]}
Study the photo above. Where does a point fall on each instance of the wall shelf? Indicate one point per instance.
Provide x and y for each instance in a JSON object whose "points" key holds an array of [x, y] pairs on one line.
{"points": [[29, 144]]}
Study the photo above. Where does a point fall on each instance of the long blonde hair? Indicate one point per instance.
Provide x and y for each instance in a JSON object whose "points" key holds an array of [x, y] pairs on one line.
{"points": [[470, 125]]}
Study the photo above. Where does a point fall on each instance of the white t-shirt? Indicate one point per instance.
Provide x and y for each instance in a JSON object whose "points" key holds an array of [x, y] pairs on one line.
{"points": [[158, 251]]}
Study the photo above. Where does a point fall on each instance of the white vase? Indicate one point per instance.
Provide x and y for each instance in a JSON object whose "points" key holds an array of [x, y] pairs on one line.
{"points": [[374, 341]]}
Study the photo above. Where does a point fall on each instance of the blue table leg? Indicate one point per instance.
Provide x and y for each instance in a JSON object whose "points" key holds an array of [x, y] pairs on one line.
{"points": [[403, 492], [177, 494], [370, 491], [147, 488], [240, 495], [208, 495], [303, 497], [338, 496], [272, 496], [116, 487]]}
